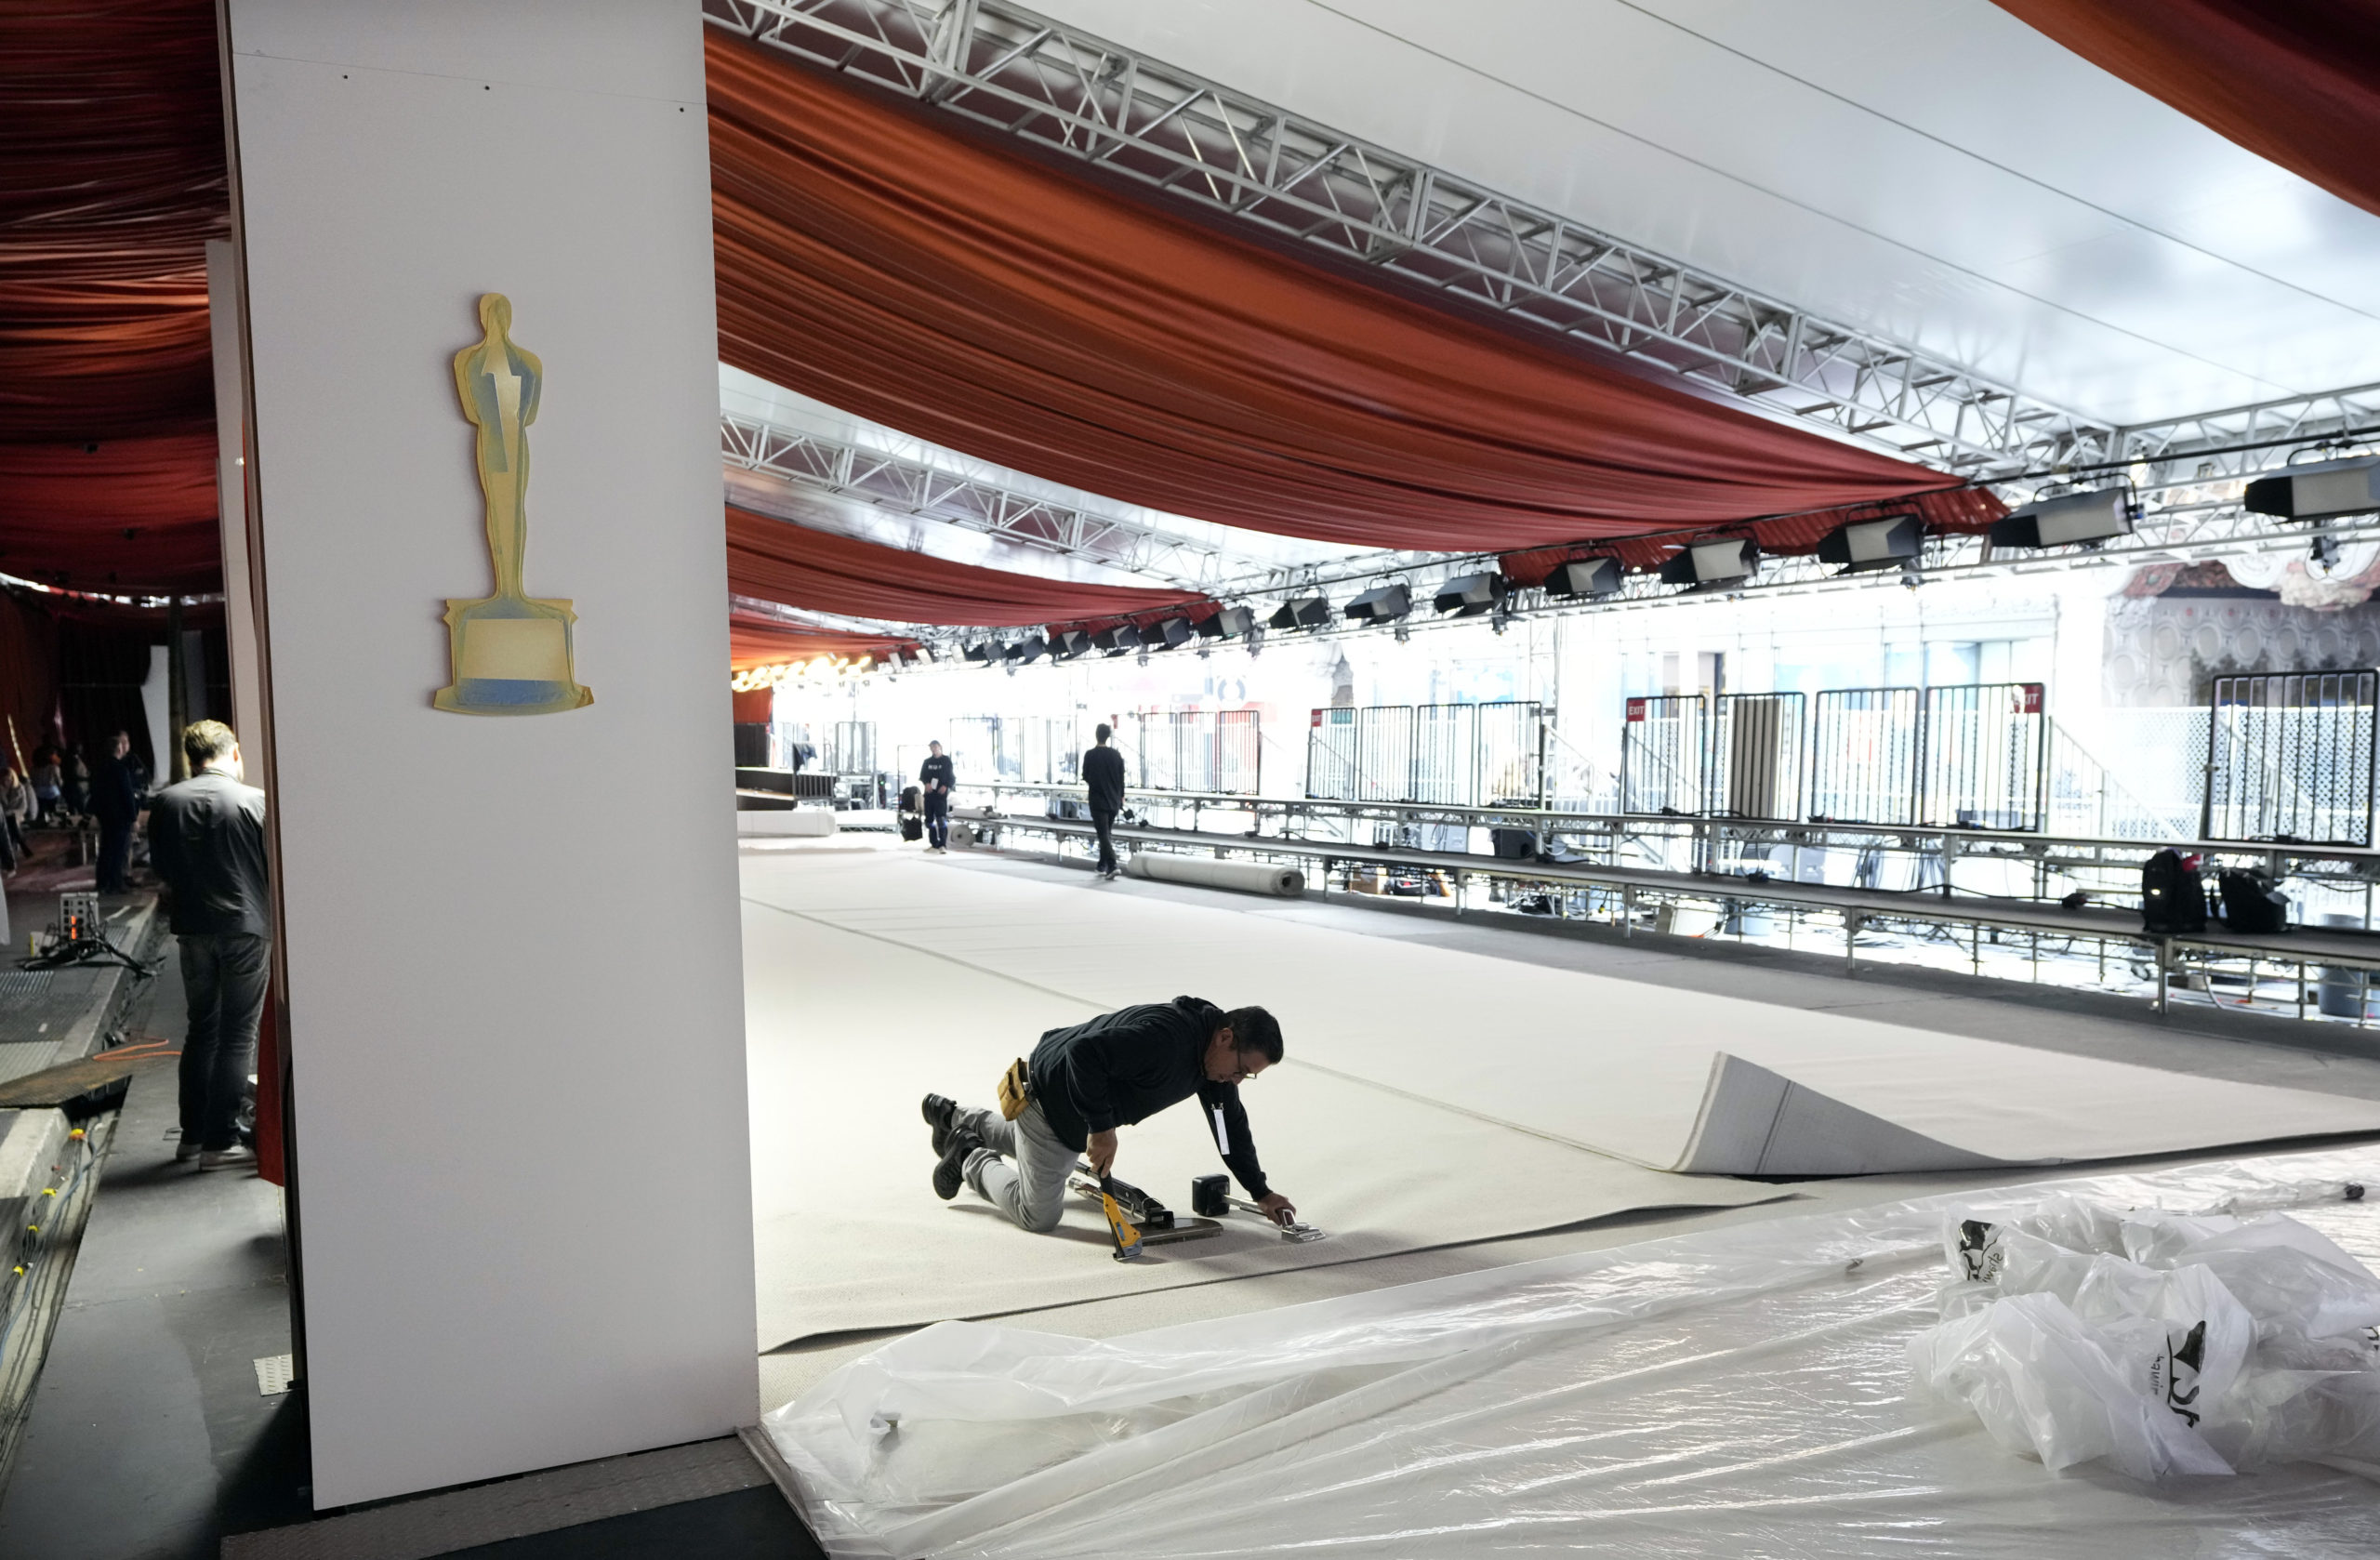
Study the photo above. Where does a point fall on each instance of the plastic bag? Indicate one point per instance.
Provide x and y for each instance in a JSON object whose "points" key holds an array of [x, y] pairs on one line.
{"points": [[2212, 1344]]}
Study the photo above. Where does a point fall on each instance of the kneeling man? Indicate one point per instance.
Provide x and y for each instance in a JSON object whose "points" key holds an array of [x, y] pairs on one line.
{"points": [[1085, 1081]]}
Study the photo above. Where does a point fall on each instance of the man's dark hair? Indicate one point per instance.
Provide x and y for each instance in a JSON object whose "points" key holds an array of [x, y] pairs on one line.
{"points": [[1255, 1032], [205, 741], [1103, 732]]}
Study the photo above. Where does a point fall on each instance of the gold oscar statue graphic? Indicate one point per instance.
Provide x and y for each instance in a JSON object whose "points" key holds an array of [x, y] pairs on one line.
{"points": [[511, 651]]}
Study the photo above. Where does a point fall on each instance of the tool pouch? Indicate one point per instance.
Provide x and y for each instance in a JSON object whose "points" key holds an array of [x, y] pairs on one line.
{"points": [[1013, 1091]]}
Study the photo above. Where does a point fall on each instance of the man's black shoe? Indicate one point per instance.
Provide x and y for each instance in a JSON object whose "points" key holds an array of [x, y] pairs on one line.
{"points": [[950, 1170], [942, 1114]]}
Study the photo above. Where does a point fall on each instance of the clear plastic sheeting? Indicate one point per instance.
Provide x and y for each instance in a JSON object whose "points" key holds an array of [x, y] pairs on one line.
{"points": [[2168, 1345], [1734, 1391]]}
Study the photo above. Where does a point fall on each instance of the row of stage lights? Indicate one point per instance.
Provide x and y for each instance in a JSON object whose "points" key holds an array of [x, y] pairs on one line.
{"points": [[821, 668], [2313, 492]]}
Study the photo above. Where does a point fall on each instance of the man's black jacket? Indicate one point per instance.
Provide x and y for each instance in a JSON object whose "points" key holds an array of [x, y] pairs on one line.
{"points": [[1121, 1067], [938, 770], [1102, 771]]}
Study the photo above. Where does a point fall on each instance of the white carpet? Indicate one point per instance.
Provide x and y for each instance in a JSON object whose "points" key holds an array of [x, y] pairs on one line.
{"points": [[1612, 1066], [848, 1030]]}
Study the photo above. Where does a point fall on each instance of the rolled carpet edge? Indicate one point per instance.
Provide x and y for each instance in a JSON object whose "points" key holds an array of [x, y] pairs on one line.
{"points": [[1242, 877]]}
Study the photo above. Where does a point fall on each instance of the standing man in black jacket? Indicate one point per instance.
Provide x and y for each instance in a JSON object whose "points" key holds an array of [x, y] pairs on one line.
{"points": [[1103, 773], [1085, 1081], [115, 801], [206, 839], [935, 777]]}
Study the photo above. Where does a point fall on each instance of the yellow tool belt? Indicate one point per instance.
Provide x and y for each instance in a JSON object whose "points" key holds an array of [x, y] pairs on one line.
{"points": [[1014, 1092]]}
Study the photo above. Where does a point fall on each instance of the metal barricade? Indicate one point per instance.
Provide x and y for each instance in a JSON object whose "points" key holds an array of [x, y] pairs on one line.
{"points": [[1756, 755], [1510, 753], [976, 749], [1239, 753], [1330, 755], [1445, 756], [1662, 753], [1864, 751], [1986, 756], [2290, 758], [855, 749], [1384, 753]]}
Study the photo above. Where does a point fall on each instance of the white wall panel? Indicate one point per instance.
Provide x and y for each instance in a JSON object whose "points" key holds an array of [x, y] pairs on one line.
{"points": [[514, 985]]}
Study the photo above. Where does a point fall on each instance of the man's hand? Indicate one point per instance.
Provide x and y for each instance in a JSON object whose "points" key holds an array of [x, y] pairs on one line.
{"points": [[1278, 1208], [1101, 1151]]}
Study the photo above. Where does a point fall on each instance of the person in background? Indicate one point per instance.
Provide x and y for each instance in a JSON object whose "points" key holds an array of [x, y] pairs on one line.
{"points": [[935, 777], [1103, 776], [50, 784], [206, 840], [77, 795], [115, 801], [16, 811]]}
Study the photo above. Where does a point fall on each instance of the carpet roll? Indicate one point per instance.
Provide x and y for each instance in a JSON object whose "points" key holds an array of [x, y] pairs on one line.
{"points": [[1244, 877]]}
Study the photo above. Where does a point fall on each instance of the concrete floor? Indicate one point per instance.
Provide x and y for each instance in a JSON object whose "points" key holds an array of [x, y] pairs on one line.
{"points": [[148, 1438], [2239, 1047]]}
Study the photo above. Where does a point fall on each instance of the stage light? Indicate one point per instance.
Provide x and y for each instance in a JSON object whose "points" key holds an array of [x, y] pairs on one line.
{"points": [[1228, 624], [983, 653], [1120, 639], [1873, 544], [1470, 595], [2066, 520], [1703, 565], [1382, 604], [1586, 577], [1067, 643], [2323, 490], [1172, 633], [1312, 612], [1026, 650]]}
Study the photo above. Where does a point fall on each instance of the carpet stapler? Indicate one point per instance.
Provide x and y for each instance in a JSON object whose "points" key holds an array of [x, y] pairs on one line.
{"points": [[1136, 1219], [1210, 1197]]}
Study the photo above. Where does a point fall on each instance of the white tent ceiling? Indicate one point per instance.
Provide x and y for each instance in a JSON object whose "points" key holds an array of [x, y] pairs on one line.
{"points": [[1930, 169]]}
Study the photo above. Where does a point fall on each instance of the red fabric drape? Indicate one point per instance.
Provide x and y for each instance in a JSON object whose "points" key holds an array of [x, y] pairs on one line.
{"points": [[112, 180], [135, 516], [778, 561], [755, 642], [888, 260], [2297, 82], [28, 680]]}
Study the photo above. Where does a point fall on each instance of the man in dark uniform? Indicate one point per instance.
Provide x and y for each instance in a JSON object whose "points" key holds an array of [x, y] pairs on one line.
{"points": [[207, 838], [1085, 1081], [935, 777], [115, 801], [1103, 773]]}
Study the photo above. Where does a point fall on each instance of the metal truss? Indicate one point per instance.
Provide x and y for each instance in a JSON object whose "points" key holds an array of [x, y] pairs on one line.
{"points": [[916, 487], [1064, 90], [2243, 441]]}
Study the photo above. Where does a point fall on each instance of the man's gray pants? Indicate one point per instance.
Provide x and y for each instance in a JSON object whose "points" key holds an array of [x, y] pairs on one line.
{"points": [[1031, 1189]]}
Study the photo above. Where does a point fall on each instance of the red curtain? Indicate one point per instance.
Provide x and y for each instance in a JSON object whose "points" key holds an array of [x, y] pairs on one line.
{"points": [[2297, 82], [28, 680], [757, 642], [136, 516], [112, 180], [778, 561], [890, 260]]}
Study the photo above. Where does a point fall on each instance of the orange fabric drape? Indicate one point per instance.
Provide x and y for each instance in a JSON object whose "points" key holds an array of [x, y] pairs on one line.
{"points": [[889, 259], [2297, 82], [755, 642], [778, 561]]}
